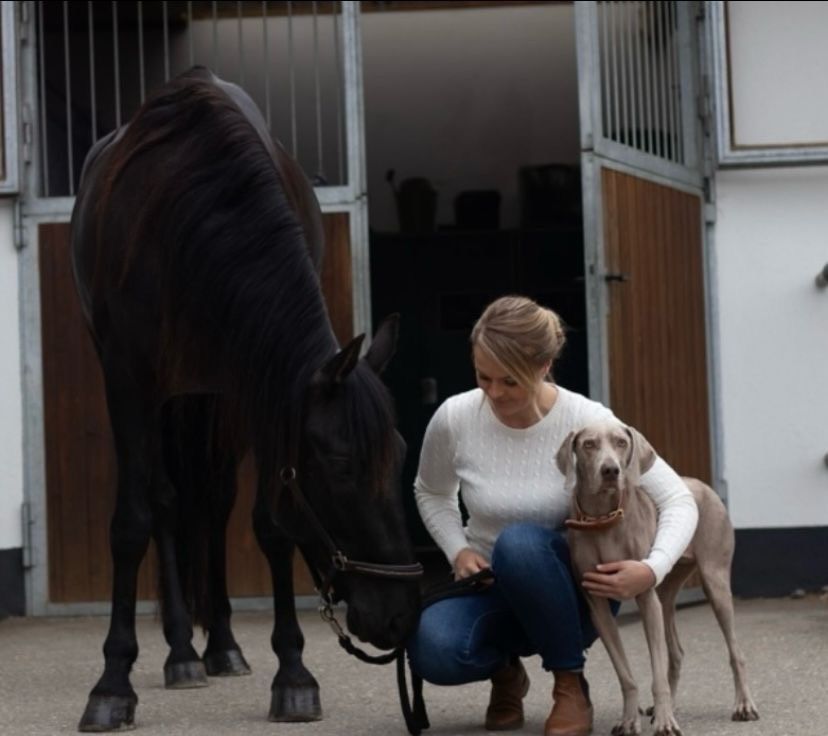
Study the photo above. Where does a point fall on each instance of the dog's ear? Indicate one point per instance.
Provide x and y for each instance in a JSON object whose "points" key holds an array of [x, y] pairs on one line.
{"points": [[565, 459], [642, 454]]}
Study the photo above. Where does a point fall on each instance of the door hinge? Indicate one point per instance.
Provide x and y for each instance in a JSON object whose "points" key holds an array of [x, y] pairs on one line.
{"points": [[26, 132], [27, 524], [23, 23], [19, 228]]}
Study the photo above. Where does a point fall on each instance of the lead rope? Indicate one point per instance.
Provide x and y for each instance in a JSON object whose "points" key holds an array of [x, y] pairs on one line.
{"points": [[413, 708]]}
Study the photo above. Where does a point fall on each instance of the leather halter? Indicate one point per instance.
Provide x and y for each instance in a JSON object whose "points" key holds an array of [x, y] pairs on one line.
{"points": [[586, 523], [340, 563]]}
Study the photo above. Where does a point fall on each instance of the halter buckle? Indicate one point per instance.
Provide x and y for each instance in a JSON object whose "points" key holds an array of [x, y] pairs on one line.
{"points": [[340, 561]]}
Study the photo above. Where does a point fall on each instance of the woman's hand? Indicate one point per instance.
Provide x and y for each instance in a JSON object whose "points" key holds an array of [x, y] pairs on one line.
{"points": [[468, 562], [619, 580]]}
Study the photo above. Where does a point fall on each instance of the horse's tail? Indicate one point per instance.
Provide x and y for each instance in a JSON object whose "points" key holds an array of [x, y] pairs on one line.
{"points": [[204, 479]]}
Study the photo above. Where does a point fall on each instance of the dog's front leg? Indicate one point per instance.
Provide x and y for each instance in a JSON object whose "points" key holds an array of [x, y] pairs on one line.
{"points": [[664, 722], [607, 628]]}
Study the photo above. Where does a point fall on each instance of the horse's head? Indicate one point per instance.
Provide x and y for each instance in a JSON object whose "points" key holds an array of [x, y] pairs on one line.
{"points": [[349, 466]]}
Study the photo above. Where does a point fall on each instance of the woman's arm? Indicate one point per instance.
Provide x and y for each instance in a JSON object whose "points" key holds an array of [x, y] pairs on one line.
{"points": [[437, 486]]}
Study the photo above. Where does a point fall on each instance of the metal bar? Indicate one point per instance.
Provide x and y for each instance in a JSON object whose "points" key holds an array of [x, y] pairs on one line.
{"points": [[340, 155], [68, 74], [320, 167], [44, 133], [662, 111], [678, 87], [241, 43], [143, 81], [116, 60], [92, 101], [649, 141], [166, 32], [639, 80], [292, 79], [266, 55], [605, 81], [614, 65], [622, 52], [215, 38], [190, 31], [669, 44]]}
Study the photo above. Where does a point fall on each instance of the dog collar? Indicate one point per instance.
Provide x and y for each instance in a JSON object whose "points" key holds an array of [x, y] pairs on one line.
{"points": [[586, 523]]}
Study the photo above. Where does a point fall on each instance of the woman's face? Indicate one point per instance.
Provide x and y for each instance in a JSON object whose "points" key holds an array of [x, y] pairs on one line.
{"points": [[509, 400]]}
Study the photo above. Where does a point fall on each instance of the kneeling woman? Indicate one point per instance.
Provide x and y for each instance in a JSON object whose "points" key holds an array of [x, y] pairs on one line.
{"points": [[495, 445]]}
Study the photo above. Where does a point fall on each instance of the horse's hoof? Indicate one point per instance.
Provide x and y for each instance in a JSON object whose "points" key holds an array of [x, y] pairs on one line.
{"points": [[109, 713], [295, 704], [184, 675], [226, 664]]}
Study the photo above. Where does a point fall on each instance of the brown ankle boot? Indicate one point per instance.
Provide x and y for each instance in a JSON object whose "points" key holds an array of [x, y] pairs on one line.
{"points": [[572, 710], [509, 687]]}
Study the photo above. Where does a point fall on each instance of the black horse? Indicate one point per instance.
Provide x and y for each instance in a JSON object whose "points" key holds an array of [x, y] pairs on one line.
{"points": [[196, 242]]}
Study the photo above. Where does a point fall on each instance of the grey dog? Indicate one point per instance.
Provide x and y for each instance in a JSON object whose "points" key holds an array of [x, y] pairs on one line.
{"points": [[614, 519]]}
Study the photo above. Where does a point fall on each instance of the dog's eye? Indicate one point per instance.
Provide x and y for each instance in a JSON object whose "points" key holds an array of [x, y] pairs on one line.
{"points": [[589, 444], [621, 442]]}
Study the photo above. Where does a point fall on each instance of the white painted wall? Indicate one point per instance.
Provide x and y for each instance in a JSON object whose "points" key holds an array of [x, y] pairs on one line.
{"points": [[466, 97], [771, 240], [776, 52], [11, 401]]}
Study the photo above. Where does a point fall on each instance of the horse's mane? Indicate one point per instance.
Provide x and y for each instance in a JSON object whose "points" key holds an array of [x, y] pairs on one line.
{"points": [[234, 262]]}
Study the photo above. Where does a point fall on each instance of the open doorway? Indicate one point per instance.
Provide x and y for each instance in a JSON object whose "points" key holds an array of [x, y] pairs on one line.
{"points": [[474, 107]]}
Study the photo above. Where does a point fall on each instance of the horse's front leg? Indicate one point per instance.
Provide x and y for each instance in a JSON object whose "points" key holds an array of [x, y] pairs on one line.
{"points": [[222, 656], [112, 702], [294, 692]]}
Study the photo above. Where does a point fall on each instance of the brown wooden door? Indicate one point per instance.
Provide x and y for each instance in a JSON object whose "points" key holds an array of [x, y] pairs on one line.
{"points": [[656, 318], [80, 462]]}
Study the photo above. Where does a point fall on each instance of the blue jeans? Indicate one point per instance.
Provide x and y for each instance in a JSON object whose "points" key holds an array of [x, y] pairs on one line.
{"points": [[533, 607]]}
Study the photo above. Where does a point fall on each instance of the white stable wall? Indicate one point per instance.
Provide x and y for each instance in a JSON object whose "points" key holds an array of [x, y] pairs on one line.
{"points": [[464, 98], [11, 401], [771, 240]]}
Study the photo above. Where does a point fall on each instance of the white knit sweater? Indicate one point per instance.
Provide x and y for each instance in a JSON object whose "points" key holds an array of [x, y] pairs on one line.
{"points": [[507, 475]]}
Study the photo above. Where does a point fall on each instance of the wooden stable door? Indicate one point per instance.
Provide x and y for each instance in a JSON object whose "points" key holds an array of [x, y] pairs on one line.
{"points": [[80, 461], [656, 317]]}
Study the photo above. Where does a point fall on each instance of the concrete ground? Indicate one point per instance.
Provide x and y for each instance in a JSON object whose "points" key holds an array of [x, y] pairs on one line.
{"points": [[47, 667]]}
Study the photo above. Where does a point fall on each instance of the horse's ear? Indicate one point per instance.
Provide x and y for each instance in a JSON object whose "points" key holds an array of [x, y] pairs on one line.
{"points": [[642, 455], [565, 459], [336, 370], [384, 344]]}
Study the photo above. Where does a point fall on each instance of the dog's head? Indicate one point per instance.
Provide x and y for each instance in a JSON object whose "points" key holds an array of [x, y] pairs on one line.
{"points": [[604, 457]]}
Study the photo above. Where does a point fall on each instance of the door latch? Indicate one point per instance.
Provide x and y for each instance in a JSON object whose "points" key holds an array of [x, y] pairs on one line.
{"points": [[621, 277]]}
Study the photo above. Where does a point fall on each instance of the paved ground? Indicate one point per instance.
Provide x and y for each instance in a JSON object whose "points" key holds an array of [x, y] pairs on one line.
{"points": [[47, 667]]}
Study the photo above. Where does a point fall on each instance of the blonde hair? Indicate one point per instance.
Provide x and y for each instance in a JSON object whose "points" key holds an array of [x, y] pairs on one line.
{"points": [[520, 335]]}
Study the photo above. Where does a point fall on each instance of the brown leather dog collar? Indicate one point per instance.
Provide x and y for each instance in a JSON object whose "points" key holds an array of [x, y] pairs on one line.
{"points": [[586, 523]]}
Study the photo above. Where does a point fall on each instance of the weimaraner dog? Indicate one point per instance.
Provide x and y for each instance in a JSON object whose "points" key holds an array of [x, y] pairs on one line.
{"points": [[614, 519]]}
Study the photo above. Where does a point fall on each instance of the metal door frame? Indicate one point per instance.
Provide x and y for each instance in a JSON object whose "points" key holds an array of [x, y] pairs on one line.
{"points": [[33, 210], [696, 177]]}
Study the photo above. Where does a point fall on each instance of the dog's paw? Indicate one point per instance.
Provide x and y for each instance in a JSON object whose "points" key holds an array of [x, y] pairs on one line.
{"points": [[629, 727], [745, 710], [664, 722]]}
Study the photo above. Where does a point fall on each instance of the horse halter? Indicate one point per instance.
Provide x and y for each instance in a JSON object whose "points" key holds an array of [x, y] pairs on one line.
{"points": [[340, 563]]}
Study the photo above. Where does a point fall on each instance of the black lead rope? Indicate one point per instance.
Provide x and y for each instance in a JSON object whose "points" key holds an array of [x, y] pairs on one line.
{"points": [[413, 708]]}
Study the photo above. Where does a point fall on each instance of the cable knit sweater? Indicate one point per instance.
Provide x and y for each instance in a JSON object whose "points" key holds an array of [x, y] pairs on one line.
{"points": [[506, 475]]}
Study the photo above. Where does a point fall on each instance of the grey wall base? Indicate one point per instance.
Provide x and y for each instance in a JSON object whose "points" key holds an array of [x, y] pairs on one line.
{"points": [[775, 562], [12, 593]]}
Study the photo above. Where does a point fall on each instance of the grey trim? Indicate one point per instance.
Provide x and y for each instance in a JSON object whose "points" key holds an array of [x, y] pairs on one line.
{"points": [[10, 184], [356, 175], [727, 154]]}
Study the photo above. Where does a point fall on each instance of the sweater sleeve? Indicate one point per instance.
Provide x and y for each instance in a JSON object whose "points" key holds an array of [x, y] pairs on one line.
{"points": [[437, 486], [677, 517]]}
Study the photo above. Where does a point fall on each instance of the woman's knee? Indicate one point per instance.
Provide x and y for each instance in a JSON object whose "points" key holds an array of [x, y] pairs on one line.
{"points": [[522, 545], [433, 652]]}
